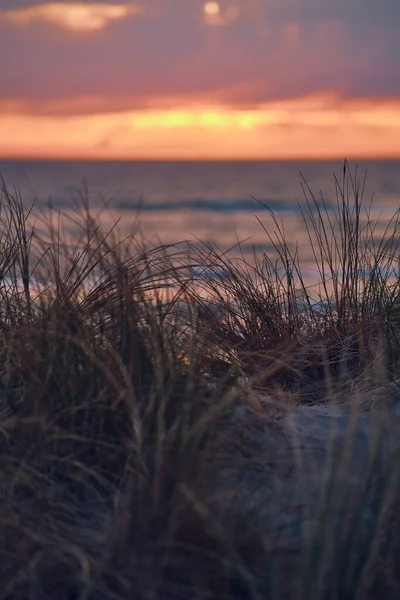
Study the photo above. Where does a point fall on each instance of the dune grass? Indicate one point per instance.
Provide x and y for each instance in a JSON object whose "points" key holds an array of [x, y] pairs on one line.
{"points": [[118, 374], [272, 327]]}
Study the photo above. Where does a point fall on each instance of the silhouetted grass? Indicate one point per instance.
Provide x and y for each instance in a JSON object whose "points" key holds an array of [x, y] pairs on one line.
{"points": [[120, 374], [270, 326]]}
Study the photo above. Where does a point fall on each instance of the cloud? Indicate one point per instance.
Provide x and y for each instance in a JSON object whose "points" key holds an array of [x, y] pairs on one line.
{"points": [[17, 4], [174, 54], [74, 16]]}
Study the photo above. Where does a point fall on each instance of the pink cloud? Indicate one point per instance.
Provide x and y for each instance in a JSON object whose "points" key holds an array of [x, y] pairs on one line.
{"points": [[168, 55]]}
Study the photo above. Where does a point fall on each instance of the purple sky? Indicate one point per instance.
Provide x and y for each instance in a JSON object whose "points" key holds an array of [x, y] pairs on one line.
{"points": [[273, 49]]}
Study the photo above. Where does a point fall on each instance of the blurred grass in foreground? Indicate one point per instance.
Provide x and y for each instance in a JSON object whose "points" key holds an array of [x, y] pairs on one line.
{"points": [[107, 413]]}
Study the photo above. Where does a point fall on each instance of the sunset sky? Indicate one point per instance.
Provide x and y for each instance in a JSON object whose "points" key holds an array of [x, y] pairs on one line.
{"points": [[182, 79]]}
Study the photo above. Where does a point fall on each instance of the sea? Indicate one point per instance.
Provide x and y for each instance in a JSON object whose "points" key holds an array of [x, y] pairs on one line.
{"points": [[237, 206]]}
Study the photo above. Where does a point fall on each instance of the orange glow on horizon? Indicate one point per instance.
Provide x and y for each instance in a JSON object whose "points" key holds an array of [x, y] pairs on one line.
{"points": [[314, 127]]}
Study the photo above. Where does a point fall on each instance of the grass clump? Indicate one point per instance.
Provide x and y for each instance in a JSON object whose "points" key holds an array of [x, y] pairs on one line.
{"points": [[274, 327], [120, 378]]}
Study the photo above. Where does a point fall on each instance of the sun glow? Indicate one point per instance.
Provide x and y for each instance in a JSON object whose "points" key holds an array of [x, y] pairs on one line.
{"points": [[73, 16], [216, 17], [301, 128], [212, 8]]}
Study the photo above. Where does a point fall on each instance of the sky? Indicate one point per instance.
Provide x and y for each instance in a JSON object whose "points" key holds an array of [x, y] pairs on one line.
{"points": [[195, 79]]}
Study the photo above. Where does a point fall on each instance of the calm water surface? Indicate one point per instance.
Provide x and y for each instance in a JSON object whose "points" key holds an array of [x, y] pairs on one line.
{"points": [[212, 201]]}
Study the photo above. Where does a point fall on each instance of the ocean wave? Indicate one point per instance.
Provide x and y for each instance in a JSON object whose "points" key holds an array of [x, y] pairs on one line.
{"points": [[209, 205], [217, 205]]}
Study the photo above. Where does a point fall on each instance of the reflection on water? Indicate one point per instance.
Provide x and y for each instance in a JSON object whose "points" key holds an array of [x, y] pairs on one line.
{"points": [[212, 202]]}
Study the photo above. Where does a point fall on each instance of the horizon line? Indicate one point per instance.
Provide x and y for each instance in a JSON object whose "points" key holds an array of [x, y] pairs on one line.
{"points": [[294, 158]]}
